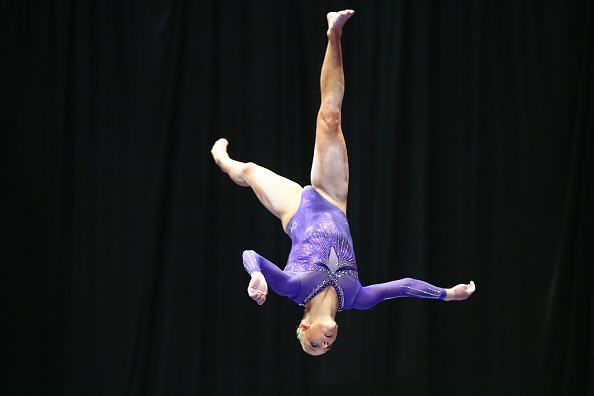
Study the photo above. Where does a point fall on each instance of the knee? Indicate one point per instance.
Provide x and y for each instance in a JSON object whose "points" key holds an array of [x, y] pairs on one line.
{"points": [[331, 115]]}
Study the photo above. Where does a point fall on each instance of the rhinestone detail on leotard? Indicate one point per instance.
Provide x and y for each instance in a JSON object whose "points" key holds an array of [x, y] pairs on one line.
{"points": [[321, 242]]}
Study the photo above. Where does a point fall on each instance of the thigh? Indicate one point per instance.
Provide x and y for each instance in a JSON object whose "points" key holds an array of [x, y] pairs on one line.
{"points": [[278, 194], [330, 167]]}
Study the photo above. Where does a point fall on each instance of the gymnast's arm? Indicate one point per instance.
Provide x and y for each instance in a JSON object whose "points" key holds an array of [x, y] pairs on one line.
{"points": [[263, 271], [369, 296]]}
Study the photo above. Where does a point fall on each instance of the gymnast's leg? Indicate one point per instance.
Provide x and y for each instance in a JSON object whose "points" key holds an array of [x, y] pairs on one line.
{"points": [[330, 168], [278, 194]]}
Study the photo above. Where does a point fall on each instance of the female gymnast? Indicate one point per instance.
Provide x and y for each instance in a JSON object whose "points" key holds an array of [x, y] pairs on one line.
{"points": [[321, 273]]}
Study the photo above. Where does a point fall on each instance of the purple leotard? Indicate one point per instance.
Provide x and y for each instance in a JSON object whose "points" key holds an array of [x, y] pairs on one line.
{"points": [[321, 255]]}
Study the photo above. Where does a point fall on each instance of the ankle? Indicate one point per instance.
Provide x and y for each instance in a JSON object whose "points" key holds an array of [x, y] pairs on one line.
{"points": [[333, 34]]}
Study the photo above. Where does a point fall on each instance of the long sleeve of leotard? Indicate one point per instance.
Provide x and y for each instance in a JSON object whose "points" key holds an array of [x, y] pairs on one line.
{"points": [[281, 282], [369, 296]]}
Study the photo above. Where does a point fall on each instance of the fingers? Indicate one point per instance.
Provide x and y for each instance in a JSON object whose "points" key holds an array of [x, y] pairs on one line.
{"points": [[470, 289], [257, 295], [260, 298]]}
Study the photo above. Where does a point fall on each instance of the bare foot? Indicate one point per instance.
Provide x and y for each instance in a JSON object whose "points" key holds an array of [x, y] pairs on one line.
{"points": [[336, 20], [235, 169], [219, 152]]}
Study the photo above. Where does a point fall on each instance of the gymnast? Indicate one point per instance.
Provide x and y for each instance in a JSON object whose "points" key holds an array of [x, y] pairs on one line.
{"points": [[321, 273]]}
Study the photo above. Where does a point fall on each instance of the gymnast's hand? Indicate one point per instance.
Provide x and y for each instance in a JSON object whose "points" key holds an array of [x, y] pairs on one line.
{"points": [[258, 288], [460, 292]]}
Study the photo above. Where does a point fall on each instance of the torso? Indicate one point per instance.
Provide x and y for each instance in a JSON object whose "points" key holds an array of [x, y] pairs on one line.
{"points": [[322, 248]]}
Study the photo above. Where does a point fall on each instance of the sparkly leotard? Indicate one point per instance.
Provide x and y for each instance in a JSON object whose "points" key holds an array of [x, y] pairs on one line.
{"points": [[322, 255]]}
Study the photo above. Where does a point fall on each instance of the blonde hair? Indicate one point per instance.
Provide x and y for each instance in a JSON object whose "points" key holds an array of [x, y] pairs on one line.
{"points": [[300, 332]]}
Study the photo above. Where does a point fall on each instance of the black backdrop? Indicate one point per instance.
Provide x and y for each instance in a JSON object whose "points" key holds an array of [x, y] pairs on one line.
{"points": [[469, 127]]}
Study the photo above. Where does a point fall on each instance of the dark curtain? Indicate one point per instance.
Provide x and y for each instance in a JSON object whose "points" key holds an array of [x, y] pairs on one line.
{"points": [[469, 128]]}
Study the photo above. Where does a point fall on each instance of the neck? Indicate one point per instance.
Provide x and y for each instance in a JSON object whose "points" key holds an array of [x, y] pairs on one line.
{"points": [[324, 305]]}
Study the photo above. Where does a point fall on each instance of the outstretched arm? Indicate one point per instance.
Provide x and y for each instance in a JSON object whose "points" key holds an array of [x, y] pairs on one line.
{"points": [[371, 295], [263, 271]]}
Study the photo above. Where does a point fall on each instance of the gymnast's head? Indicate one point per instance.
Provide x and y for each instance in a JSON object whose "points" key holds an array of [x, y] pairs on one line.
{"points": [[316, 335]]}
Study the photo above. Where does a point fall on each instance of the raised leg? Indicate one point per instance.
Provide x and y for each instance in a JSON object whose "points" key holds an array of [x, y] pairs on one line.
{"points": [[330, 168], [278, 194]]}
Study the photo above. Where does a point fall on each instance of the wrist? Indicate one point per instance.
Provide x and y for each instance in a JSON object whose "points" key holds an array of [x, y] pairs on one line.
{"points": [[450, 294]]}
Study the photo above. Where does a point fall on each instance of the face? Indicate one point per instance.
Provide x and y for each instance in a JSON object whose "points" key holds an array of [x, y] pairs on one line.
{"points": [[319, 336]]}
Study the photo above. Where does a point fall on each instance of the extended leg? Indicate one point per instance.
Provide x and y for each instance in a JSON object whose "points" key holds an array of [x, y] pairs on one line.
{"points": [[330, 168], [278, 194]]}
